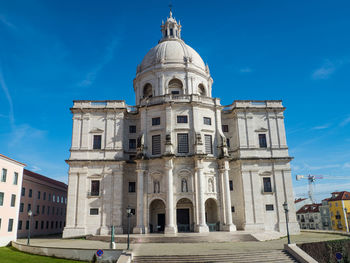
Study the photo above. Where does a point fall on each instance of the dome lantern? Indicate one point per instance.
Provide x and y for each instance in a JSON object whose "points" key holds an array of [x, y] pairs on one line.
{"points": [[170, 29]]}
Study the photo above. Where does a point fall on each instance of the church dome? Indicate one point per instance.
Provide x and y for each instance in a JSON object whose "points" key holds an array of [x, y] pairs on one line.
{"points": [[172, 51]]}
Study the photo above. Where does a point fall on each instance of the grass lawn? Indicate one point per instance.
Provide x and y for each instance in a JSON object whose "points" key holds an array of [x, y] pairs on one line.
{"points": [[12, 255]]}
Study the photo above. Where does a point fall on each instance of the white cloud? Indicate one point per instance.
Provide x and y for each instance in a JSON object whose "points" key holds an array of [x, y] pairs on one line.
{"points": [[91, 76], [245, 70], [321, 167], [321, 127], [325, 71], [6, 22], [345, 121], [8, 97], [34, 168], [346, 165]]}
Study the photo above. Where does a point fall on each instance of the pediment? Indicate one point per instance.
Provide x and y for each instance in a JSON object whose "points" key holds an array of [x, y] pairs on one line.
{"points": [[262, 129], [96, 130]]}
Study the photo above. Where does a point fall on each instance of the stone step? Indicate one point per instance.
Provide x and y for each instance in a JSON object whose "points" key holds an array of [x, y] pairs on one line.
{"points": [[256, 256]]}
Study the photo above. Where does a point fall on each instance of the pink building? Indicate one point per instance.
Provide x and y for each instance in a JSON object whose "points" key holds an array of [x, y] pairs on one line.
{"points": [[47, 199], [11, 174]]}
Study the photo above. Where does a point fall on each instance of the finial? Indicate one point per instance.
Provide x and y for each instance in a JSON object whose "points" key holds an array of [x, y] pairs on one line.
{"points": [[170, 7]]}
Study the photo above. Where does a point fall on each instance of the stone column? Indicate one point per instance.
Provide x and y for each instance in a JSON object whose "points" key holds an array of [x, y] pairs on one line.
{"points": [[105, 203], [170, 227], [229, 226], [117, 207], [201, 225], [139, 228]]}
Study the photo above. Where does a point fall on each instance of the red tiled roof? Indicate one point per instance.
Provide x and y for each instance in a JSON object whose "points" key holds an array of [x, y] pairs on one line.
{"points": [[310, 208], [44, 178], [299, 200], [8, 158], [344, 195]]}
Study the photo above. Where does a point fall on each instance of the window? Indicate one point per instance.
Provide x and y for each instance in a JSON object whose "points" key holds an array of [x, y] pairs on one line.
{"points": [[43, 210], [21, 207], [262, 141], [58, 199], [132, 187], [49, 199], [29, 207], [20, 225], [53, 210], [27, 224], [15, 178], [42, 225], [225, 128], [97, 141], [4, 174], [23, 191], [182, 143], [147, 91], [30, 193], [267, 185], [228, 142], [36, 224], [93, 211], [207, 120], [132, 129], [208, 144], [133, 211], [132, 144], [13, 200], [175, 92], [47, 224], [61, 199], [95, 187], [269, 207], [37, 209], [44, 196], [232, 209], [182, 119], [9, 229], [39, 194], [53, 198], [1, 198], [171, 31], [231, 185], [48, 210], [155, 121], [298, 217], [156, 144], [51, 224], [336, 204]]}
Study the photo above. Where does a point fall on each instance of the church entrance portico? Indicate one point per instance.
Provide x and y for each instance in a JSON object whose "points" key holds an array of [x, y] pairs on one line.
{"points": [[184, 215], [211, 215], [157, 216]]}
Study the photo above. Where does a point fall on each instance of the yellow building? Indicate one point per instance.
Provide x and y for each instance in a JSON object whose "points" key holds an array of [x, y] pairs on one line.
{"points": [[339, 207]]}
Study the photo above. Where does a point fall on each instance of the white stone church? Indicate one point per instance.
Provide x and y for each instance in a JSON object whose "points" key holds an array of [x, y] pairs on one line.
{"points": [[179, 159]]}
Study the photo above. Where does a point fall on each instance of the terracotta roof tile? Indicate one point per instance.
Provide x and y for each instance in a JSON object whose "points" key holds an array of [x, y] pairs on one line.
{"points": [[344, 195], [309, 208]]}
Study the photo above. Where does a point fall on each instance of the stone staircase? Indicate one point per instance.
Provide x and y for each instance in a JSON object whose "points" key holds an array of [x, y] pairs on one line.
{"points": [[256, 256]]}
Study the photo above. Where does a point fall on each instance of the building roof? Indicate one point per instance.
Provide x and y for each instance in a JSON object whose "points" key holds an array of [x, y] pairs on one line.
{"points": [[336, 196], [44, 178], [309, 208], [299, 200], [12, 160]]}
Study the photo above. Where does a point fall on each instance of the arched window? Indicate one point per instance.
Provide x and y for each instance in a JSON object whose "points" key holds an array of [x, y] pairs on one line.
{"points": [[201, 90], [184, 187], [175, 86], [147, 90]]}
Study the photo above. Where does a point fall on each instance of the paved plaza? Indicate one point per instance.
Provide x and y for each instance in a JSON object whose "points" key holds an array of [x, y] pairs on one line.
{"points": [[199, 248]]}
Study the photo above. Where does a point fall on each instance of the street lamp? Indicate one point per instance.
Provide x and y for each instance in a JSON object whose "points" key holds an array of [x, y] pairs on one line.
{"points": [[112, 244], [285, 206], [30, 214], [128, 211]]}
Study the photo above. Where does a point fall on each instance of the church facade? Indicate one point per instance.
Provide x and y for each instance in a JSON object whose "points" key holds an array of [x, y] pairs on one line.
{"points": [[179, 159]]}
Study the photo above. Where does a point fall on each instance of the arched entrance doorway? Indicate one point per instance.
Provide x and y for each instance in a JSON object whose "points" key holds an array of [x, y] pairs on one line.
{"points": [[184, 215], [211, 215], [156, 216]]}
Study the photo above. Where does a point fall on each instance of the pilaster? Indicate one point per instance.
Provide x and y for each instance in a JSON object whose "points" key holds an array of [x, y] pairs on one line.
{"points": [[170, 227], [201, 225]]}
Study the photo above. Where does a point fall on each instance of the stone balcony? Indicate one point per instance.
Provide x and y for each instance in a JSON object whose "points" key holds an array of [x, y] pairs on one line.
{"points": [[179, 99], [262, 104]]}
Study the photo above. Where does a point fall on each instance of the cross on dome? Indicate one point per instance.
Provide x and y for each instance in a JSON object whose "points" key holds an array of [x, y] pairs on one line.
{"points": [[170, 29]]}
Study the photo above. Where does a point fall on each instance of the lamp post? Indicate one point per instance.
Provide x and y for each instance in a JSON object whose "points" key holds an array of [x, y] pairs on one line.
{"points": [[128, 211], [285, 206], [112, 244], [30, 214]]}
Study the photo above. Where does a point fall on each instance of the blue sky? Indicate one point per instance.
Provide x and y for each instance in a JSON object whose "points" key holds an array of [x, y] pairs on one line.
{"points": [[54, 52]]}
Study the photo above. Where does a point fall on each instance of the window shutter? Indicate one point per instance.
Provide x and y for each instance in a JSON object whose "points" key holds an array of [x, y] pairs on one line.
{"points": [[156, 144], [208, 144], [182, 143]]}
